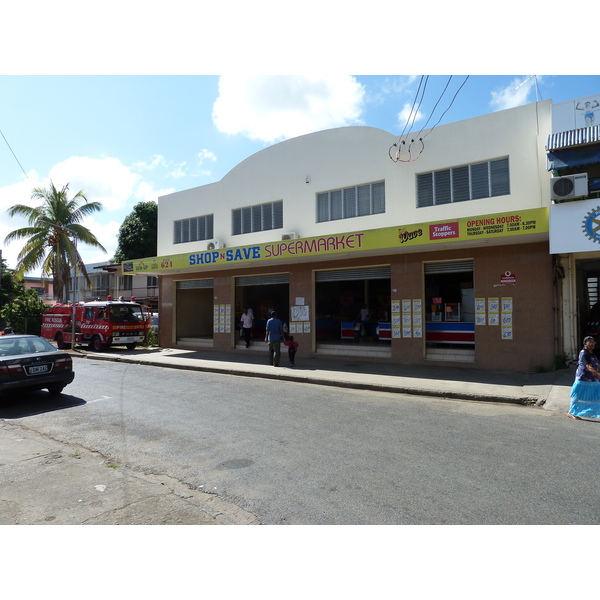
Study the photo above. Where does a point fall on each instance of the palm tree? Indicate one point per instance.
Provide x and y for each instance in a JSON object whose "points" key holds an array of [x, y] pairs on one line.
{"points": [[52, 236]]}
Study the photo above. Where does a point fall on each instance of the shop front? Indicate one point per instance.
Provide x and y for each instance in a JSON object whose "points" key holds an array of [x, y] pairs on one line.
{"points": [[575, 244], [482, 296]]}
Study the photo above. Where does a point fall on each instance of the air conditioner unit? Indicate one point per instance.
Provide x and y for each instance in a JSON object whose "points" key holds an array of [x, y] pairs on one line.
{"points": [[290, 236], [569, 186], [215, 245]]}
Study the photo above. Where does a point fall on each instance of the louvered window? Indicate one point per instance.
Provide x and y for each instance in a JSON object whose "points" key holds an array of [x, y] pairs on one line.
{"points": [[469, 182], [193, 230], [354, 201], [260, 217]]}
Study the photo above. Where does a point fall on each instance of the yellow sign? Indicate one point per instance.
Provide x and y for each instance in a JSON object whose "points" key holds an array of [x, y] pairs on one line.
{"points": [[421, 234]]}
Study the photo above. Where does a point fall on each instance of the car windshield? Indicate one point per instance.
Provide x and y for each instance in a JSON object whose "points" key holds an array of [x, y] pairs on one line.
{"points": [[126, 314], [13, 346]]}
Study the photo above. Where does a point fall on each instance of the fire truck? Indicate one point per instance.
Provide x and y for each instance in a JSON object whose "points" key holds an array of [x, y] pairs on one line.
{"points": [[100, 324]]}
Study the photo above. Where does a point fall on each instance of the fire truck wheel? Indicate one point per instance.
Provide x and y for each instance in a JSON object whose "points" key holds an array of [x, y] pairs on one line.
{"points": [[60, 342], [131, 346], [96, 344]]}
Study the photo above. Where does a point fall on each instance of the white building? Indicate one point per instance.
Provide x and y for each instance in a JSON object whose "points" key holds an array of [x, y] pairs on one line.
{"points": [[446, 242]]}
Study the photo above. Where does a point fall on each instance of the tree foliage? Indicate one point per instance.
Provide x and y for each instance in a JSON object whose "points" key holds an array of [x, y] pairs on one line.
{"points": [[52, 236], [8, 284], [138, 233], [24, 312]]}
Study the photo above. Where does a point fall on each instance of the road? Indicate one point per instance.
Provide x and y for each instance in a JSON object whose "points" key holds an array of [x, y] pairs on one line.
{"points": [[302, 454]]}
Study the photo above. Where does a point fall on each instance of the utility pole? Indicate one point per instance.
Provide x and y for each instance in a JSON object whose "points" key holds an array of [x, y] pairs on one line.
{"points": [[74, 283]]}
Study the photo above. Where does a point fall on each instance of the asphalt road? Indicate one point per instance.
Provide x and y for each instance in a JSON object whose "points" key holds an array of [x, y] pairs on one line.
{"points": [[302, 454]]}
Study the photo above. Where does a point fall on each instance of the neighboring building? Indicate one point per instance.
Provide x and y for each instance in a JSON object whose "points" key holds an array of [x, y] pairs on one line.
{"points": [[108, 280], [574, 159], [43, 287], [445, 243]]}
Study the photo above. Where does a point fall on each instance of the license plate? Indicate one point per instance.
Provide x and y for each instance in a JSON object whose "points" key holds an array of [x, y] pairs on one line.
{"points": [[37, 369]]}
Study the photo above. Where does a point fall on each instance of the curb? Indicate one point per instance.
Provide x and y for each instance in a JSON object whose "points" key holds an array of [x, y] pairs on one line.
{"points": [[283, 375]]}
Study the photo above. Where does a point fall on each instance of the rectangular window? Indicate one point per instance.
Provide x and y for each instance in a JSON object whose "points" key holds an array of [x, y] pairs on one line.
{"points": [[260, 217], [354, 201], [484, 179], [193, 230]]}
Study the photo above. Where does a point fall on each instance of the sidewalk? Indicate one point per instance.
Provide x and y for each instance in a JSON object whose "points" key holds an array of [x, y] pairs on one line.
{"points": [[44, 481], [550, 390]]}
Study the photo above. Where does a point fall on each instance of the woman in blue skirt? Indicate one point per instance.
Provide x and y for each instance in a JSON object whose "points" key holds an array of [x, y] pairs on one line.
{"points": [[585, 393]]}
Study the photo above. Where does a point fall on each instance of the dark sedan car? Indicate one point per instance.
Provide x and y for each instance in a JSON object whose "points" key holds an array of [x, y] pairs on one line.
{"points": [[29, 362]]}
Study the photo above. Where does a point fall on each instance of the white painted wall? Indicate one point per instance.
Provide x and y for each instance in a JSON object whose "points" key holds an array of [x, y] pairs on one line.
{"points": [[347, 156]]}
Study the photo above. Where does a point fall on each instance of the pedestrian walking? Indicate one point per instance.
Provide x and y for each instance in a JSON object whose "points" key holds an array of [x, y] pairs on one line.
{"points": [[246, 321], [273, 336], [585, 393], [292, 346]]}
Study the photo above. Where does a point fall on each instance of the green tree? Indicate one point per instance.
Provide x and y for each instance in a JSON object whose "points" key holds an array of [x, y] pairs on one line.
{"points": [[9, 287], [52, 236], [138, 233], [24, 312]]}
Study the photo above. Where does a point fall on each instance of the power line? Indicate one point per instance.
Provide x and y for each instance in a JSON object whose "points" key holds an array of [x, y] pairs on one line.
{"points": [[22, 169]]}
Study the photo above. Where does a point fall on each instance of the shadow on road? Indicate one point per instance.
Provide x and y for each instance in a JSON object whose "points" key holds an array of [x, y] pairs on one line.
{"points": [[27, 404]]}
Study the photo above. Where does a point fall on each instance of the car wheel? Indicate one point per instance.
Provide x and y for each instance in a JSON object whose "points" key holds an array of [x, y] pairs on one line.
{"points": [[56, 389], [60, 342], [96, 344]]}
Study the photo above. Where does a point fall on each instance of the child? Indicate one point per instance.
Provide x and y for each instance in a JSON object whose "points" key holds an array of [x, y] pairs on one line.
{"points": [[292, 347]]}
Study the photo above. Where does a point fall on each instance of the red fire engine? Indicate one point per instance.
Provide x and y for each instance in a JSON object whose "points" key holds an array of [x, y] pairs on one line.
{"points": [[100, 324]]}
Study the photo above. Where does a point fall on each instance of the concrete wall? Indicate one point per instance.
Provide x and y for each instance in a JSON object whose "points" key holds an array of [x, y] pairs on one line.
{"points": [[347, 156]]}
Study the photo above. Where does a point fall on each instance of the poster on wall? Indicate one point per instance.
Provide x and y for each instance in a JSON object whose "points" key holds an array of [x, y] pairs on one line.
{"points": [[300, 313], [507, 318], [417, 322], [396, 331], [493, 311], [480, 312], [406, 318]]}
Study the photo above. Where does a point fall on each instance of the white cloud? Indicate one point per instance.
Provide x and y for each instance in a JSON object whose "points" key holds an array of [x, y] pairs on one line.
{"points": [[178, 171], [157, 161], [146, 193], [18, 193], [205, 155], [271, 108], [516, 93], [104, 180], [107, 234], [406, 117]]}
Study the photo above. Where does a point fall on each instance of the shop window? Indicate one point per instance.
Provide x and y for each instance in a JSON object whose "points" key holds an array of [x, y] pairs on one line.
{"points": [[260, 217], [485, 179], [193, 230], [127, 283], [354, 201], [353, 306], [449, 305]]}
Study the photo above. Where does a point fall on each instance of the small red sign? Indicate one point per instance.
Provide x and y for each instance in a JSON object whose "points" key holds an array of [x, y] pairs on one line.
{"points": [[443, 231], [508, 278]]}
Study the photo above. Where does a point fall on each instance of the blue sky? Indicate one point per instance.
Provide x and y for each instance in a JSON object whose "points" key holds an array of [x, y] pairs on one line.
{"points": [[124, 139], [126, 100]]}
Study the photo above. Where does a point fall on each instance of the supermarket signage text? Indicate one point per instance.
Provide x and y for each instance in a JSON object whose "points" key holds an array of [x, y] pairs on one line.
{"points": [[332, 243]]}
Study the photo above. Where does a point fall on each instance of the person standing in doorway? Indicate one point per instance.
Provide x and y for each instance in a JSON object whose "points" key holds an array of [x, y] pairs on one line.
{"points": [[246, 321], [585, 393], [273, 336]]}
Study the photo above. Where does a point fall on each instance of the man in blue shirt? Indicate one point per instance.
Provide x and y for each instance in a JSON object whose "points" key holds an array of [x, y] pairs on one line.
{"points": [[274, 335]]}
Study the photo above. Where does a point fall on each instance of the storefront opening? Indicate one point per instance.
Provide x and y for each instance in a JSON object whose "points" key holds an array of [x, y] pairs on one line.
{"points": [[449, 310]]}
